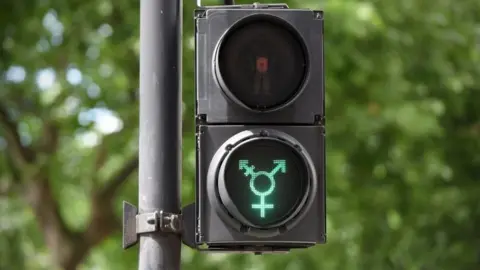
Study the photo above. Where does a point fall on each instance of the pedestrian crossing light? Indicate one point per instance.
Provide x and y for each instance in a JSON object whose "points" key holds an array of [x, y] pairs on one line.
{"points": [[264, 179], [260, 181]]}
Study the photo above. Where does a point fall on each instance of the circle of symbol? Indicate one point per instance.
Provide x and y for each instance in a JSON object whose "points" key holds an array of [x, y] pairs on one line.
{"points": [[265, 193]]}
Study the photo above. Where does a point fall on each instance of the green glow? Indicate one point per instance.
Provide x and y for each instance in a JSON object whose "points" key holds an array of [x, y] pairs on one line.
{"points": [[249, 171]]}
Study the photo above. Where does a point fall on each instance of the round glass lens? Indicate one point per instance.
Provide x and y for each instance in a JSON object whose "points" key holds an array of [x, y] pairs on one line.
{"points": [[266, 180], [262, 64]]}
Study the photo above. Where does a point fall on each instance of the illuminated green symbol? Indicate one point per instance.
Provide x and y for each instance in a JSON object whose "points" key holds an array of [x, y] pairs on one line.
{"points": [[248, 170]]}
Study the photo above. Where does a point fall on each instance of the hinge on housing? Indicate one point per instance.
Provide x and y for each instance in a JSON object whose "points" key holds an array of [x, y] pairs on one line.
{"points": [[157, 221], [259, 5], [247, 6]]}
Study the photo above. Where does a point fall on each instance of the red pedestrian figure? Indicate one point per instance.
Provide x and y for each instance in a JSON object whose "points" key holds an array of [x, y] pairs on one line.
{"points": [[261, 83]]}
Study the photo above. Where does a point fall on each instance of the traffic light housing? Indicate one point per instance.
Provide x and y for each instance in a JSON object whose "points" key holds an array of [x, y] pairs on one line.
{"points": [[260, 183]]}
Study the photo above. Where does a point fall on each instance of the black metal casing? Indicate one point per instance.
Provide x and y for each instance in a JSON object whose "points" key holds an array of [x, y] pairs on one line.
{"points": [[218, 119], [216, 108], [215, 232]]}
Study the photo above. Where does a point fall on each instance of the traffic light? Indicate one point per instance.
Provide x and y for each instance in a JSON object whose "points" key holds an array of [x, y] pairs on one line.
{"points": [[260, 183]]}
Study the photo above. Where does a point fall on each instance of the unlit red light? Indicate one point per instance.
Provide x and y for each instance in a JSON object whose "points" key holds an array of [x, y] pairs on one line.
{"points": [[262, 64]]}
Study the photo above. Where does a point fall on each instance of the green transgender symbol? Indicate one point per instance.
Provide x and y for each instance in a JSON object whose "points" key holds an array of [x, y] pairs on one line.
{"points": [[249, 171]]}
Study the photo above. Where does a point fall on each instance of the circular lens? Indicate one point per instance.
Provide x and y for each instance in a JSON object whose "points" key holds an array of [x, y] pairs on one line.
{"points": [[264, 183], [261, 64]]}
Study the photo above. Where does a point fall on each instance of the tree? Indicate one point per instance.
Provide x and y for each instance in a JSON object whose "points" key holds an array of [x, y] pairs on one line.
{"points": [[402, 135]]}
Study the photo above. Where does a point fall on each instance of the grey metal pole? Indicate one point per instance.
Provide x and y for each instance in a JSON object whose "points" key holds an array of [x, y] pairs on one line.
{"points": [[160, 127]]}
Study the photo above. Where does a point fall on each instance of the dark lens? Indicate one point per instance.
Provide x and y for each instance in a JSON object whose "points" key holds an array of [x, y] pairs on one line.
{"points": [[266, 180], [262, 63]]}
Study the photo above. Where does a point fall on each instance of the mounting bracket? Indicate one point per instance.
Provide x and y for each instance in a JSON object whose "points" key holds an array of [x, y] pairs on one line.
{"points": [[157, 221]]}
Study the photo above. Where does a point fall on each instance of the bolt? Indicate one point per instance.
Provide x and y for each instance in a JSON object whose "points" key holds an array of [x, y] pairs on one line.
{"points": [[151, 220]]}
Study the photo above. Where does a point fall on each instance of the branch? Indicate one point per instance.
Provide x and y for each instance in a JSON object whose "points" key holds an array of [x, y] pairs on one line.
{"points": [[69, 248], [103, 220], [101, 156], [58, 237], [13, 138], [8, 188], [118, 178], [50, 137], [58, 101], [100, 159]]}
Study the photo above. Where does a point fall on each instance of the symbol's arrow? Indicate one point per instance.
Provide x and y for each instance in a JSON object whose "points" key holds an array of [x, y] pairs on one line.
{"points": [[243, 165], [281, 166]]}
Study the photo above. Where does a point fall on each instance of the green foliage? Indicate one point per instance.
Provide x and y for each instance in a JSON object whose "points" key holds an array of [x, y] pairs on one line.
{"points": [[403, 130]]}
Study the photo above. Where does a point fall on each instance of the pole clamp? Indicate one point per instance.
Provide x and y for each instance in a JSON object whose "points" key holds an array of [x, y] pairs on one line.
{"points": [[157, 221]]}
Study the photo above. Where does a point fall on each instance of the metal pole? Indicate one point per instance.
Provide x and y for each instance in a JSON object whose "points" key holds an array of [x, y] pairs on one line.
{"points": [[160, 127]]}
